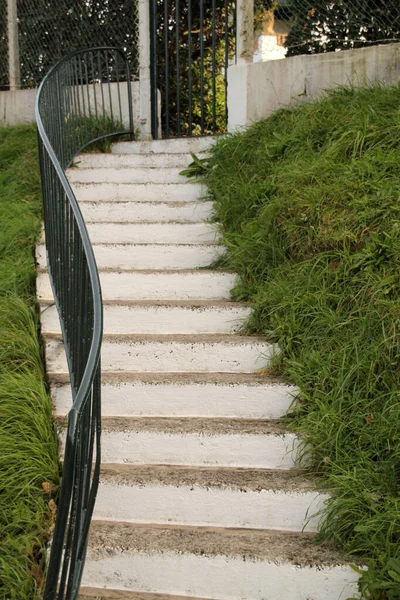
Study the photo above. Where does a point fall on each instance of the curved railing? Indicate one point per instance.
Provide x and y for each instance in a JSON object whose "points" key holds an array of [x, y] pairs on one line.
{"points": [[85, 97]]}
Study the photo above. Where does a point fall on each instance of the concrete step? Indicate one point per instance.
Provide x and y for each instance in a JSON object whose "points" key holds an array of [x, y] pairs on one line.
{"points": [[146, 212], [161, 318], [155, 285], [121, 257], [171, 354], [249, 444], [132, 161], [215, 563], [199, 395], [153, 233], [210, 497], [176, 146], [123, 175], [139, 192], [108, 594]]}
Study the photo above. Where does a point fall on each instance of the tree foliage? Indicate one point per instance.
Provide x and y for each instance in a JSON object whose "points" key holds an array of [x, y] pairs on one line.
{"points": [[329, 25]]}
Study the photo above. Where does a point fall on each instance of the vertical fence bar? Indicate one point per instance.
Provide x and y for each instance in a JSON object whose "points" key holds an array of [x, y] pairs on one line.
{"points": [[190, 95], [226, 56], [13, 46], [213, 66], [178, 70], [166, 67], [202, 66]]}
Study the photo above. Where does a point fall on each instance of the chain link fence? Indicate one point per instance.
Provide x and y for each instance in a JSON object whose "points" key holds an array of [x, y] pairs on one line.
{"points": [[49, 29], [315, 26]]}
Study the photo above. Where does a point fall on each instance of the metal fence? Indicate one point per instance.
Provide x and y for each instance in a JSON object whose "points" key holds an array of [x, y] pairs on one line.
{"points": [[49, 29], [316, 26]]}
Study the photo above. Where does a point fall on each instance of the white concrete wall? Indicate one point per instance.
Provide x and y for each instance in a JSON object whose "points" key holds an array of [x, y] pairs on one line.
{"points": [[17, 108], [257, 90]]}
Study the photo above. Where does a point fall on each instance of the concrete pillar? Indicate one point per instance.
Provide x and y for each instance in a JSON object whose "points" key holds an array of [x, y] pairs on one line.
{"points": [[13, 46], [144, 70], [244, 31]]}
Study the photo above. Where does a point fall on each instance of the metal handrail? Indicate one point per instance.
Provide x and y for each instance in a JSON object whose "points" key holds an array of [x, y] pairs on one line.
{"points": [[85, 97]]}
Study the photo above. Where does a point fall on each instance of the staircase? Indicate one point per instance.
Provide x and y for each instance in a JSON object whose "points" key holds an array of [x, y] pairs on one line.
{"points": [[199, 495]]}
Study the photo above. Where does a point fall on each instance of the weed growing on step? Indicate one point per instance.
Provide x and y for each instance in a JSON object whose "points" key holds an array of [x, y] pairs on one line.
{"points": [[309, 206], [28, 450]]}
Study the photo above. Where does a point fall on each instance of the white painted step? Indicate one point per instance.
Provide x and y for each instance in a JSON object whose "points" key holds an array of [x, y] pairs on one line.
{"points": [[197, 442], [139, 192], [185, 395], [176, 146], [172, 354], [142, 212], [156, 285], [144, 317], [132, 161], [121, 257], [222, 564], [123, 175], [153, 233], [208, 497]]}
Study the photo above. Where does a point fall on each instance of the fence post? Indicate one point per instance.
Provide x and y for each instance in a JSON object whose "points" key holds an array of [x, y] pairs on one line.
{"points": [[144, 70], [13, 46], [244, 31]]}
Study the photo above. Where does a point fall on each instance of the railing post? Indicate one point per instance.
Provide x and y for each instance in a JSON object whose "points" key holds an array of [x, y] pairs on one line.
{"points": [[13, 46], [244, 31], [144, 70]]}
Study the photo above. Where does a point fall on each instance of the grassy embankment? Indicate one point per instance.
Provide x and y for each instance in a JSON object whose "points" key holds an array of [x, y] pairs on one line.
{"points": [[28, 451], [309, 206]]}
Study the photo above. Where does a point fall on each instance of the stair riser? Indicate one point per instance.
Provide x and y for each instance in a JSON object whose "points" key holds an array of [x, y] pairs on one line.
{"points": [[142, 212], [148, 192], [170, 357], [155, 286], [153, 233], [140, 399], [176, 146], [145, 447], [117, 176], [163, 504], [131, 257], [159, 320], [133, 161], [219, 577]]}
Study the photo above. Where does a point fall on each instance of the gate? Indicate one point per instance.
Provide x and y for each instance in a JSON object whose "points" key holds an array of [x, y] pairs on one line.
{"points": [[192, 42]]}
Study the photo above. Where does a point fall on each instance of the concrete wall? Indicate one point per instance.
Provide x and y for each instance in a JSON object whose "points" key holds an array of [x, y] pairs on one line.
{"points": [[18, 107], [257, 90]]}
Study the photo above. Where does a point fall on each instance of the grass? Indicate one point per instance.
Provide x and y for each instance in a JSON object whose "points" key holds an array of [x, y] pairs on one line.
{"points": [[29, 467], [309, 205]]}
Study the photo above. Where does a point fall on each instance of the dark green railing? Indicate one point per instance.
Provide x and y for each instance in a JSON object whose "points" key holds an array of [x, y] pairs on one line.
{"points": [[85, 97]]}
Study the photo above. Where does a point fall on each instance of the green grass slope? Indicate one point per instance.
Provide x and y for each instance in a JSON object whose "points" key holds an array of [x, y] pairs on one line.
{"points": [[309, 206], [28, 450]]}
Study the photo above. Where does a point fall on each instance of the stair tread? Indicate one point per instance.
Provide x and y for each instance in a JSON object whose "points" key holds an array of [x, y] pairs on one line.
{"points": [[112, 538], [188, 304], [109, 594], [185, 338], [229, 379], [195, 426], [240, 479]]}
